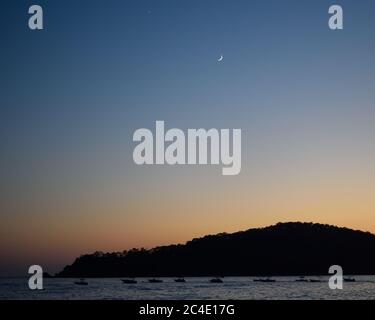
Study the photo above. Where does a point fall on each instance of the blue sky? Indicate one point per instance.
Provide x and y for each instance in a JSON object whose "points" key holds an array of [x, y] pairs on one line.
{"points": [[73, 94]]}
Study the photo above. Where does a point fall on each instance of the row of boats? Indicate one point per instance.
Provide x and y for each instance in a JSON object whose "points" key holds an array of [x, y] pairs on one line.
{"points": [[132, 281], [303, 279], [214, 280], [83, 282]]}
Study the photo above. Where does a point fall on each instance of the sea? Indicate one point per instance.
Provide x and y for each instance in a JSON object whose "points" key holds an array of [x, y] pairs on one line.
{"points": [[232, 288]]}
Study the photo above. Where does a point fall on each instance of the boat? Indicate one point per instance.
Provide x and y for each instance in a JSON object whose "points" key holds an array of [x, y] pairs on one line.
{"points": [[81, 282], [129, 281], [155, 280], [349, 279], [264, 280], [179, 280], [302, 279], [216, 280], [315, 280]]}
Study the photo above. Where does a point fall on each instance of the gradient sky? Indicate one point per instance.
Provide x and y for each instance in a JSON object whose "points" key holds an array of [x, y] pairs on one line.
{"points": [[72, 95]]}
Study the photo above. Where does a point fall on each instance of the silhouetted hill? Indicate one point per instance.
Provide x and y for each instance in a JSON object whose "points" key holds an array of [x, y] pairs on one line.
{"points": [[284, 249]]}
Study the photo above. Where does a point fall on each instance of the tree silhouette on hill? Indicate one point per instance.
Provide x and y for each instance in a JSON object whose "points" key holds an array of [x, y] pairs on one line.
{"points": [[292, 248]]}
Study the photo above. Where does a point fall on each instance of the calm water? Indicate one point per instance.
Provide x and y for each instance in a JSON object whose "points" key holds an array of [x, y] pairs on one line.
{"points": [[194, 288]]}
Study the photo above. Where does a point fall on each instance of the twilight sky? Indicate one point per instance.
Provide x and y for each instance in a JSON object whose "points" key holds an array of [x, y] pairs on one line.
{"points": [[72, 95]]}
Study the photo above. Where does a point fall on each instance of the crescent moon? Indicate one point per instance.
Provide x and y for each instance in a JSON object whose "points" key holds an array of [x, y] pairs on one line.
{"points": [[220, 59]]}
